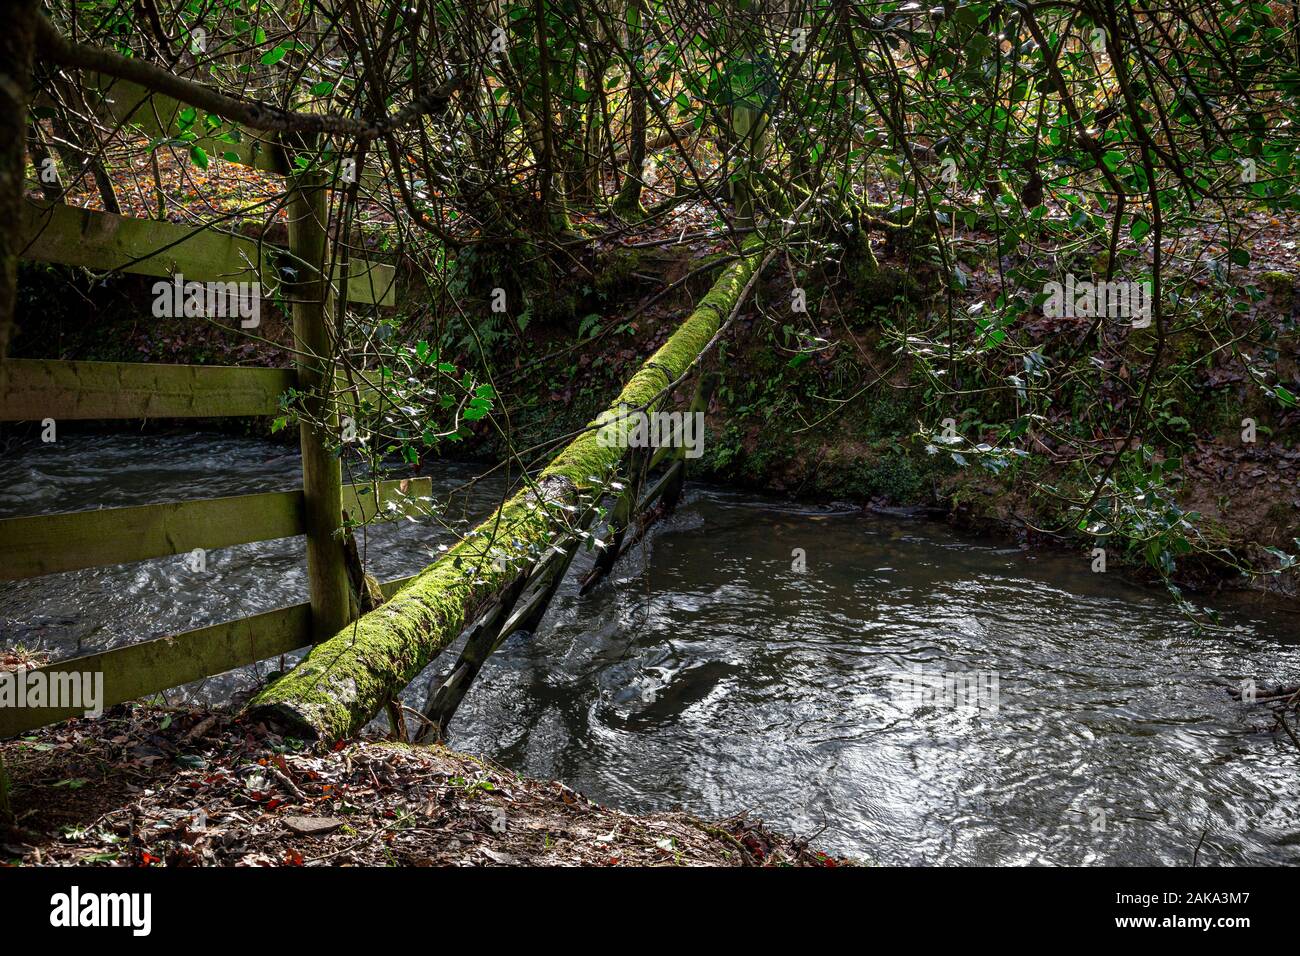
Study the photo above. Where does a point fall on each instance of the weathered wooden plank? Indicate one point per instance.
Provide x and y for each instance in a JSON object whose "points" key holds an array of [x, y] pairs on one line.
{"points": [[54, 232], [152, 666], [372, 282], [36, 389], [49, 544]]}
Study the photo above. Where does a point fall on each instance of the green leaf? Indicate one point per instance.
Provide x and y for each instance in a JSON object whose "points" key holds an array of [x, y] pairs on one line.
{"points": [[1240, 257], [274, 56], [323, 88], [199, 156]]}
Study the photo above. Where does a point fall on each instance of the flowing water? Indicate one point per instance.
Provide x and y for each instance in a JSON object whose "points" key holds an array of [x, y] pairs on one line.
{"points": [[755, 655]]}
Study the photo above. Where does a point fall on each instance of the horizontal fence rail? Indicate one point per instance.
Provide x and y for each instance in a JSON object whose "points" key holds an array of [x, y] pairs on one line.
{"points": [[51, 543], [54, 232], [152, 666], [36, 389]]}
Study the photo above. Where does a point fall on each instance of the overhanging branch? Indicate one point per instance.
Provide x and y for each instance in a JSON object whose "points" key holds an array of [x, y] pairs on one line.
{"points": [[54, 47]]}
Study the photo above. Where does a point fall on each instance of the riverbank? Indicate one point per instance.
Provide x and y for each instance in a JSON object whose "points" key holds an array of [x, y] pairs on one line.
{"points": [[145, 786], [847, 414]]}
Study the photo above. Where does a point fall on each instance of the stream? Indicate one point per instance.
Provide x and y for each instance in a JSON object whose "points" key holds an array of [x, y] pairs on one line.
{"points": [[756, 655]]}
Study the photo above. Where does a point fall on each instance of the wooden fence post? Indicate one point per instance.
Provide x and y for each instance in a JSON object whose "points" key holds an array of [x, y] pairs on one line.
{"points": [[322, 480]]}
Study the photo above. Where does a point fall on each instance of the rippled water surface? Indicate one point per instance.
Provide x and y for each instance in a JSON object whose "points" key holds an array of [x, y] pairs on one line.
{"points": [[711, 673]]}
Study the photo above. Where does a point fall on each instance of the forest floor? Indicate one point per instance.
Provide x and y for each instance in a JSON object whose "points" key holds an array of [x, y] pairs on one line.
{"points": [[144, 786]]}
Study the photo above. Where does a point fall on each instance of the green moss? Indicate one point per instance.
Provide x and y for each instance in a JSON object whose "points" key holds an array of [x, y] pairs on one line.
{"points": [[346, 680], [615, 268], [334, 690], [628, 208], [1277, 281]]}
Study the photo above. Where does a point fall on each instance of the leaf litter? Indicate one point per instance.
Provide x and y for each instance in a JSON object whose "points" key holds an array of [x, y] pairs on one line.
{"points": [[148, 786]]}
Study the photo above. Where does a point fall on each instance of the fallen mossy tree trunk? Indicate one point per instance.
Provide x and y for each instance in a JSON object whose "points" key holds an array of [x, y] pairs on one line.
{"points": [[346, 680]]}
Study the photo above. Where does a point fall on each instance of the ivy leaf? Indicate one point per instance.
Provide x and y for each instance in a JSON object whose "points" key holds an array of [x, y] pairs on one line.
{"points": [[1285, 561]]}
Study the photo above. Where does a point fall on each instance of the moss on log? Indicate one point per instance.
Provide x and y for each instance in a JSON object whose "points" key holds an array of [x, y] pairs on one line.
{"points": [[350, 677]]}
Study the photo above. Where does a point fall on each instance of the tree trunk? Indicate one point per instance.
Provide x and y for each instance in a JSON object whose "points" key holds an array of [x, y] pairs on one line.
{"points": [[347, 680], [47, 173], [628, 202], [588, 186], [554, 209], [17, 49], [79, 147]]}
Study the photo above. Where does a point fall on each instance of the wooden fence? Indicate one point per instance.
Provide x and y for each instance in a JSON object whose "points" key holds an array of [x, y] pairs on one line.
{"points": [[39, 389]]}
